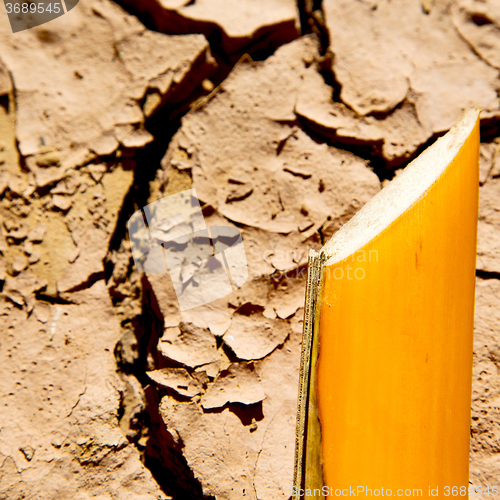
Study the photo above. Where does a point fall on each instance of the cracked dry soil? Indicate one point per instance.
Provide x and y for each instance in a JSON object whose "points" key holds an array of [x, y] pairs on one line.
{"points": [[286, 117]]}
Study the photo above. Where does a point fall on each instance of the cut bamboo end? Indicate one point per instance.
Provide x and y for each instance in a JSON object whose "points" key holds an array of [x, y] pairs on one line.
{"points": [[389, 367]]}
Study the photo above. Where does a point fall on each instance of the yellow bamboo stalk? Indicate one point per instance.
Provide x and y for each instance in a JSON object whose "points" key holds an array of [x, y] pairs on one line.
{"points": [[388, 398]]}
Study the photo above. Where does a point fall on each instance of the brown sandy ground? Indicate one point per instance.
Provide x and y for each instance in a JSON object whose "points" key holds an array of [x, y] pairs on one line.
{"points": [[286, 118]]}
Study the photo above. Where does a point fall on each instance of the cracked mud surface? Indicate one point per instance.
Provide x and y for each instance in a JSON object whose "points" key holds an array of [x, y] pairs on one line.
{"points": [[285, 118]]}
